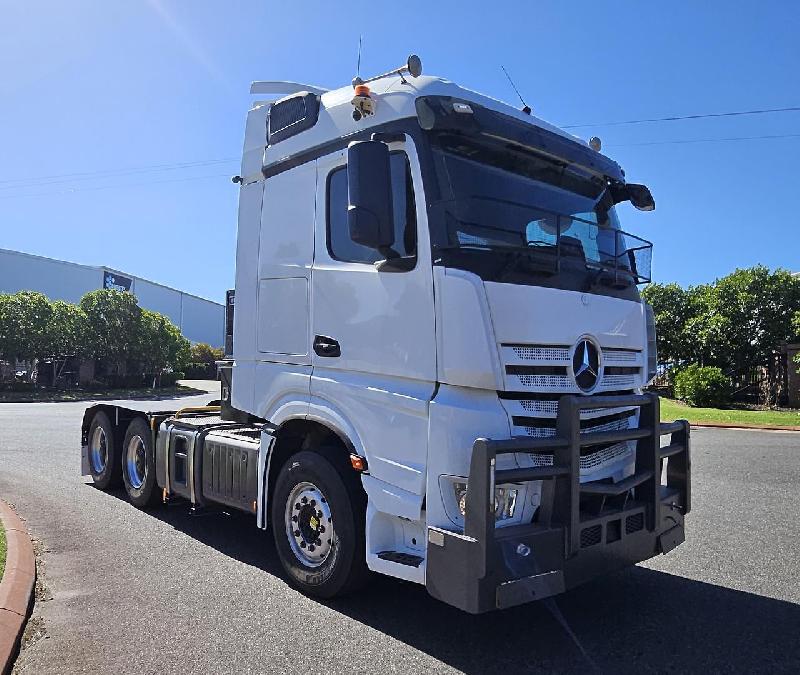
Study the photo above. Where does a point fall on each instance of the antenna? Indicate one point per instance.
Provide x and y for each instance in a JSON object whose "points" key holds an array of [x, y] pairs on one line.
{"points": [[358, 65], [525, 107], [413, 67]]}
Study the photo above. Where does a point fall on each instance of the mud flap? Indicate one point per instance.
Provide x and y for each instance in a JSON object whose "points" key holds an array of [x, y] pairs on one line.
{"points": [[85, 470], [264, 456]]}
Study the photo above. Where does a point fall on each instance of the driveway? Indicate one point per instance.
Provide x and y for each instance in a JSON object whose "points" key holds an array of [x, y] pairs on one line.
{"points": [[167, 592]]}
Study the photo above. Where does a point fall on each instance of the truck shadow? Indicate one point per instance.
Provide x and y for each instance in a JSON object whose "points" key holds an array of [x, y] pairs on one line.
{"points": [[638, 620]]}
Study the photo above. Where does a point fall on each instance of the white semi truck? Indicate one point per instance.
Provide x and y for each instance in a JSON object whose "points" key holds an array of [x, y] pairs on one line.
{"points": [[436, 362]]}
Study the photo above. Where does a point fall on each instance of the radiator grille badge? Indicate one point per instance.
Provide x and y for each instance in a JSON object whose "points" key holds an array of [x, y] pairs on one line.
{"points": [[586, 364]]}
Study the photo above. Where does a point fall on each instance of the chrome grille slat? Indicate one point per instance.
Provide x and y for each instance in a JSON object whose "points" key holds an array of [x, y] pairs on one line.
{"points": [[545, 432]]}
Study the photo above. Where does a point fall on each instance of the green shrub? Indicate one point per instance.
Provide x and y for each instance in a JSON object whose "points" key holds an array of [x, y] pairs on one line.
{"points": [[169, 379], [702, 386], [200, 371]]}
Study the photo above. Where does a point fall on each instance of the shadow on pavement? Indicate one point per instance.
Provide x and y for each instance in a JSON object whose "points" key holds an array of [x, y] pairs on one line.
{"points": [[638, 620]]}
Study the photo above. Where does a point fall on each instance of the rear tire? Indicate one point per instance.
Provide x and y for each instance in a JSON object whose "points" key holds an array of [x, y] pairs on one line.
{"points": [[139, 465], [312, 497], [104, 456]]}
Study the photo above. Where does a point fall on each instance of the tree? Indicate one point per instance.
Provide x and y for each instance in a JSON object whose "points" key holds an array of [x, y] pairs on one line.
{"points": [[205, 353], [112, 324], [24, 322], [159, 344], [758, 307], [673, 309], [734, 323], [67, 331]]}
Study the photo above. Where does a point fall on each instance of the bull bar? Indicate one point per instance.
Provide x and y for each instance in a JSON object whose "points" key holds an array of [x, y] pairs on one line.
{"points": [[487, 567]]}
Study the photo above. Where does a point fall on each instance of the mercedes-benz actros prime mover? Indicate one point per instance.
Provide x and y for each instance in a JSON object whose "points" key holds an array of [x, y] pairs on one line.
{"points": [[436, 362]]}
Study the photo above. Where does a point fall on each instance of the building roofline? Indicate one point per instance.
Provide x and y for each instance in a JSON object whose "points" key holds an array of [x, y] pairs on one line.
{"points": [[103, 268]]}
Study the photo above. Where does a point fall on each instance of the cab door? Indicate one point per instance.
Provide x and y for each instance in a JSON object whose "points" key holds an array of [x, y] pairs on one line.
{"points": [[373, 332]]}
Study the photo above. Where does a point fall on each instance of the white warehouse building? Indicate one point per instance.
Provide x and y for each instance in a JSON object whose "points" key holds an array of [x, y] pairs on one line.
{"points": [[200, 320]]}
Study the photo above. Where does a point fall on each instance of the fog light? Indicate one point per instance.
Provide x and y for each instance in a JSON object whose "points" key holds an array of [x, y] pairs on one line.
{"points": [[505, 500]]}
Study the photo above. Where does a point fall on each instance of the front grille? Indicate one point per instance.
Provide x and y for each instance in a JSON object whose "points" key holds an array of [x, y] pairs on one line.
{"points": [[634, 523], [541, 353], [548, 368], [591, 460], [591, 536], [537, 375]]}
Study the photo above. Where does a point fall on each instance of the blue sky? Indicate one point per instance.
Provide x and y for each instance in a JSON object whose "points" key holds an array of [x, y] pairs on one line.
{"points": [[133, 89]]}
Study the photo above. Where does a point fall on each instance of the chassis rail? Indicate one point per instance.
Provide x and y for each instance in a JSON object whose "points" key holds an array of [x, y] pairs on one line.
{"points": [[490, 568]]}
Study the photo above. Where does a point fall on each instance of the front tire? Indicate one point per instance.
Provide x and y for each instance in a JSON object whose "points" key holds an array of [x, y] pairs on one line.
{"points": [[104, 460], [139, 465], [318, 514]]}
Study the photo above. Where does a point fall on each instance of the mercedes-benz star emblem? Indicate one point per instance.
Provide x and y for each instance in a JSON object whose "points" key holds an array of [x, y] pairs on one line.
{"points": [[586, 364]]}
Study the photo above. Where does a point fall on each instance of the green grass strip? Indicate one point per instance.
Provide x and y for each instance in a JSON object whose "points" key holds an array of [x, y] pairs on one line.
{"points": [[671, 410]]}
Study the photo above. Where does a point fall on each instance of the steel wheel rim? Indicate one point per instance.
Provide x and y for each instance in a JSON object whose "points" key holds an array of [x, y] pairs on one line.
{"points": [[136, 462], [309, 525], [98, 450]]}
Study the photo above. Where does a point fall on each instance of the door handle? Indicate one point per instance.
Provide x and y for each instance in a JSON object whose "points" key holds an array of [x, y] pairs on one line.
{"points": [[326, 346]]}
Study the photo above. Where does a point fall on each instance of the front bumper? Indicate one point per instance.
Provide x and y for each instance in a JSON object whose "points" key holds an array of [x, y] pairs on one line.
{"points": [[634, 519]]}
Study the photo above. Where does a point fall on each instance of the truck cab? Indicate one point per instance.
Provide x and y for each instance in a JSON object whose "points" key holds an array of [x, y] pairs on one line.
{"points": [[438, 341]]}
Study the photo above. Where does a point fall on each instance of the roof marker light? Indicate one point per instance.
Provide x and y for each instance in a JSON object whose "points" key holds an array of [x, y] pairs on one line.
{"points": [[595, 143]]}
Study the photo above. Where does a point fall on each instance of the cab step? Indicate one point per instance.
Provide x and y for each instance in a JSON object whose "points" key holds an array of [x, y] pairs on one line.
{"points": [[401, 558]]}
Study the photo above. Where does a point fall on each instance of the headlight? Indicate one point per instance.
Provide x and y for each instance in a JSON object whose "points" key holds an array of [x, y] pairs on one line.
{"points": [[505, 500], [652, 351]]}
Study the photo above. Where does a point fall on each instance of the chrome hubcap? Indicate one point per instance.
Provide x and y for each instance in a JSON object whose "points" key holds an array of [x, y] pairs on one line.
{"points": [[136, 462], [98, 450], [309, 525]]}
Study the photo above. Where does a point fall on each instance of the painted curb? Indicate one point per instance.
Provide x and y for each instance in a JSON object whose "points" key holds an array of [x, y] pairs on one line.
{"points": [[16, 586], [722, 425]]}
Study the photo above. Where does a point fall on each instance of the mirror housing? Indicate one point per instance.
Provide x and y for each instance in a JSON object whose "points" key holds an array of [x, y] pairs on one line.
{"points": [[638, 195], [641, 197], [369, 194]]}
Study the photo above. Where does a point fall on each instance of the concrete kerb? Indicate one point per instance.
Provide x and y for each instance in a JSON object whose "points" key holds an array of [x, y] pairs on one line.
{"points": [[16, 586], [743, 427]]}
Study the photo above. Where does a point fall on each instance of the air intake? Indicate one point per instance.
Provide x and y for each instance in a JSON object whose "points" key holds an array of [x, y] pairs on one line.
{"points": [[291, 115]]}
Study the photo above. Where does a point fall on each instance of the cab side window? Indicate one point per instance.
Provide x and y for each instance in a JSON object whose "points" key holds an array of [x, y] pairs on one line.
{"points": [[341, 246]]}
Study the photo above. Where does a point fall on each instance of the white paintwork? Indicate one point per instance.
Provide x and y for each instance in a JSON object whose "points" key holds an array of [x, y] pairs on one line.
{"points": [[466, 357], [283, 317], [385, 325], [549, 316], [400, 333]]}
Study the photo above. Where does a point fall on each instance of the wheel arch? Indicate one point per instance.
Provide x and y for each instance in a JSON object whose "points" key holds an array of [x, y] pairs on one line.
{"points": [[303, 433]]}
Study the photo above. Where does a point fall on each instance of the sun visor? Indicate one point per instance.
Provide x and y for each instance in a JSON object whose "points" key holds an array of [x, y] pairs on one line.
{"points": [[452, 115]]}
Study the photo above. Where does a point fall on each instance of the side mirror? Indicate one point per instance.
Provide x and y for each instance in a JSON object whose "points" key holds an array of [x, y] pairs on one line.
{"points": [[369, 192], [641, 197]]}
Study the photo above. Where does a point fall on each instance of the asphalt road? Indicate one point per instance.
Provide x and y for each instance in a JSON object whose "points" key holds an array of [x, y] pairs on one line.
{"points": [[135, 592]]}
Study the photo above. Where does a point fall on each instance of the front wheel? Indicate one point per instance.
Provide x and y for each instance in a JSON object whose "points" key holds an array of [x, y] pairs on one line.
{"points": [[318, 525]]}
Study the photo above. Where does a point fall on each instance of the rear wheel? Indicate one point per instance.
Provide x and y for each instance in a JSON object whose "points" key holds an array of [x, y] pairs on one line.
{"points": [[104, 460], [318, 525], [138, 464]]}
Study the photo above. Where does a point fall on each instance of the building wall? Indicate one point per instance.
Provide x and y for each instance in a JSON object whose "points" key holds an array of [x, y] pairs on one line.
{"points": [[57, 279], [199, 320]]}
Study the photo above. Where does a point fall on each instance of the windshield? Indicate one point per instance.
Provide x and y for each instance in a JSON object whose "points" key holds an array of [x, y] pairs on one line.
{"points": [[548, 216]]}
